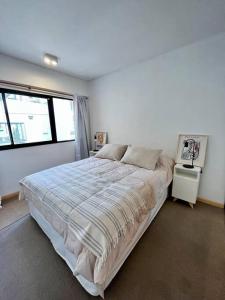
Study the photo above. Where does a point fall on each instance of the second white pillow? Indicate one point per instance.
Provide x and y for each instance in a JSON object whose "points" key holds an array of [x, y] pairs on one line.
{"points": [[141, 157]]}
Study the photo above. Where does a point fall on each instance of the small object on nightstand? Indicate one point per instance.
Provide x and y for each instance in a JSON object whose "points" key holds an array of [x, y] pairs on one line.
{"points": [[186, 183], [92, 152]]}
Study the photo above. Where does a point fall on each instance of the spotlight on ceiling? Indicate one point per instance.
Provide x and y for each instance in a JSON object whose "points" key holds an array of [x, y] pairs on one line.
{"points": [[50, 60]]}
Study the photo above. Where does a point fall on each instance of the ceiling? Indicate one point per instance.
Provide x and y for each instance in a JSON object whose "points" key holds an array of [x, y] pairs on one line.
{"points": [[96, 37]]}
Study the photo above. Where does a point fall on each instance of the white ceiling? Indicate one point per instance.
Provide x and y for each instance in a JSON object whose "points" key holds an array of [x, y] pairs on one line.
{"points": [[96, 37]]}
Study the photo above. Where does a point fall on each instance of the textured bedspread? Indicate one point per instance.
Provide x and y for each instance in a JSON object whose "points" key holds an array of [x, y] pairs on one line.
{"points": [[97, 199]]}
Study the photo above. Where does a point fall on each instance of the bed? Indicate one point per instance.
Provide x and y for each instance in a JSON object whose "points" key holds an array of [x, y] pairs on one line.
{"points": [[94, 211]]}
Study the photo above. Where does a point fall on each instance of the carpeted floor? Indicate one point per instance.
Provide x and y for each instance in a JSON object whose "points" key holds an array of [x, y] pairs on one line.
{"points": [[180, 257], [11, 211]]}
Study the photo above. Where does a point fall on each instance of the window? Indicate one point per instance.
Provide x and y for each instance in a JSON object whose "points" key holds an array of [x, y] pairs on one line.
{"points": [[4, 130], [28, 119], [19, 133], [63, 110], [4, 134]]}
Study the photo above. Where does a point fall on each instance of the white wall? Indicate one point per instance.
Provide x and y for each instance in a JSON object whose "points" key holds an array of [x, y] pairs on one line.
{"points": [[179, 92], [17, 163]]}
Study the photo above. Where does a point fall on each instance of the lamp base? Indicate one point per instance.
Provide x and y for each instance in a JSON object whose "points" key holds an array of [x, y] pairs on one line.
{"points": [[188, 166]]}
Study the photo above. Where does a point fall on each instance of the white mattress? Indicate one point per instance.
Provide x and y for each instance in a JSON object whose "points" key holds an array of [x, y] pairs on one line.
{"points": [[58, 243]]}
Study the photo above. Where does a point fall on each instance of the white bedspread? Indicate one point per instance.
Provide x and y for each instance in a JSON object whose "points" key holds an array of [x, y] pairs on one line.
{"points": [[98, 201]]}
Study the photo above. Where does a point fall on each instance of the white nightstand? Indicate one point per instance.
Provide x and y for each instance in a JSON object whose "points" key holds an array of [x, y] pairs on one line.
{"points": [[92, 152], [186, 183]]}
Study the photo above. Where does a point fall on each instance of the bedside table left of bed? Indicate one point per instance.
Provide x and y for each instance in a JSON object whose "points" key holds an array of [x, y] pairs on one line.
{"points": [[92, 152]]}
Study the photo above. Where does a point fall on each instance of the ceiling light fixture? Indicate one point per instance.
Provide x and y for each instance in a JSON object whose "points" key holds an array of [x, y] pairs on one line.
{"points": [[50, 59]]}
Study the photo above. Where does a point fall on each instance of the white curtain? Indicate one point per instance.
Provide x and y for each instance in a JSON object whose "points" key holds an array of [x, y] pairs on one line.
{"points": [[82, 127]]}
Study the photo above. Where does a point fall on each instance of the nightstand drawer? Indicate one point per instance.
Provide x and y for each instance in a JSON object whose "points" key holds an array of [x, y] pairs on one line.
{"points": [[185, 189], [188, 173], [186, 183]]}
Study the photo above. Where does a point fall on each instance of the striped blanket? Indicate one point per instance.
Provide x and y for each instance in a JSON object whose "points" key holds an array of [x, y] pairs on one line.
{"points": [[98, 199]]}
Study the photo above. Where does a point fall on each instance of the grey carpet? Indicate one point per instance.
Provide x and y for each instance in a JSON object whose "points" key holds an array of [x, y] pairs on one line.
{"points": [[181, 256]]}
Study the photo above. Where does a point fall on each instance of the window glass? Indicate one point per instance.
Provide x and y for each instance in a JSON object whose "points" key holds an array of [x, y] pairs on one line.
{"points": [[64, 119], [4, 130], [29, 118]]}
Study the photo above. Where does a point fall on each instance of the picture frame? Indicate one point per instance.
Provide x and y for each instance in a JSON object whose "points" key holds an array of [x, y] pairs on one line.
{"points": [[186, 142], [101, 139]]}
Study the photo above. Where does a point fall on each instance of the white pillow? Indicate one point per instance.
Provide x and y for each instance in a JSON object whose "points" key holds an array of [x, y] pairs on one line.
{"points": [[165, 161], [141, 157], [112, 151]]}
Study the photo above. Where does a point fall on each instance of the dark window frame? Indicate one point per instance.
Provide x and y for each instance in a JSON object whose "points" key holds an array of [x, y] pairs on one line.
{"points": [[51, 119]]}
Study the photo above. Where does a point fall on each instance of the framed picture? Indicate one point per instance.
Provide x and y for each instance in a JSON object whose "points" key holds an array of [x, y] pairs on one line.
{"points": [[101, 138], [191, 146]]}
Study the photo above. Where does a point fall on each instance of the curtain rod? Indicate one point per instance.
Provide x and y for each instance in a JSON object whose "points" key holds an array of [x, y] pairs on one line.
{"points": [[32, 88]]}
